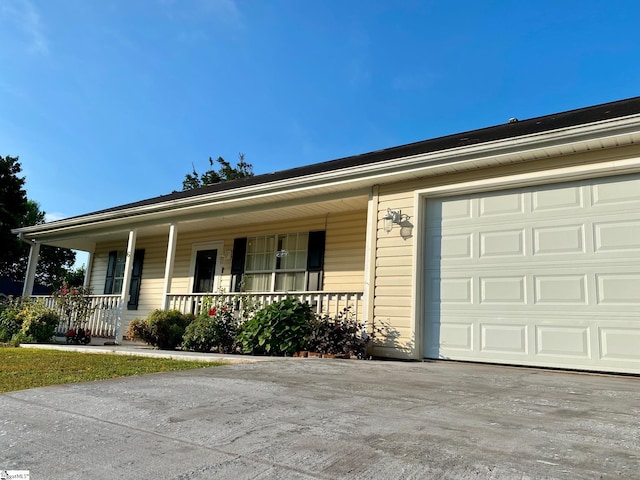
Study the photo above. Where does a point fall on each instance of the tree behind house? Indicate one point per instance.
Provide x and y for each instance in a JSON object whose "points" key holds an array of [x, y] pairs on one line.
{"points": [[225, 173], [54, 264], [17, 211]]}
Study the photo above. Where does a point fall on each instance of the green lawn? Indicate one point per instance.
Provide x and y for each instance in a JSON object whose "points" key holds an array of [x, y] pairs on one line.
{"points": [[22, 368]]}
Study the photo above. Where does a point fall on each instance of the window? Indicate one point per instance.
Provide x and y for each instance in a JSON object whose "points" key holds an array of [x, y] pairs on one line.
{"points": [[118, 274], [280, 263], [115, 276]]}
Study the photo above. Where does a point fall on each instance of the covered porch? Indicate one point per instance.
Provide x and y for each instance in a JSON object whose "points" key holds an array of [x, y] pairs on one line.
{"points": [[158, 254]]}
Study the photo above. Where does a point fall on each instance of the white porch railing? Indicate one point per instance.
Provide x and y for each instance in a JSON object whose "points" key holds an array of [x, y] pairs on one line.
{"points": [[103, 321], [330, 303]]}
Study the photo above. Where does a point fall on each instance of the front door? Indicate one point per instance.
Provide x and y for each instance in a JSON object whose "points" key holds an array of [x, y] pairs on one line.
{"points": [[205, 270]]}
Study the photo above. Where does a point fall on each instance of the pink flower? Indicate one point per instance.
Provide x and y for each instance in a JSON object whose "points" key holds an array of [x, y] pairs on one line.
{"points": [[74, 292], [212, 312], [64, 290]]}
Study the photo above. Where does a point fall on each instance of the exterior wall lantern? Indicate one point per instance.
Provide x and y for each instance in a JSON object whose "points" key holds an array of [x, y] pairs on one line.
{"points": [[392, 216]]}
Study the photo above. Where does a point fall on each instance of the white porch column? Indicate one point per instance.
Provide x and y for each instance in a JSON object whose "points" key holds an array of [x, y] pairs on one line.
{"points": [[87, 273], [30, 275], [371, 243], [168, 266], [126, 283]]}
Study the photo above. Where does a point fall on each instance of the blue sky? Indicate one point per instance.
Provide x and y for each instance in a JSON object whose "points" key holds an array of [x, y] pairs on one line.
{"points": [[108, 102]]}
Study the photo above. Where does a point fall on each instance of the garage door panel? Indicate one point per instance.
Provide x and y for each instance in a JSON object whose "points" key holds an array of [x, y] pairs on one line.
{"points": [[503, 338], [457, 335], [536, 276], [451, 211], [560, 289], [616, 192], [619, 236], [559, 240], [452, 290], [618, 288], [620, 343], [563, 340], [502, 204], [553, 198], [503, 290], [502, 243]]}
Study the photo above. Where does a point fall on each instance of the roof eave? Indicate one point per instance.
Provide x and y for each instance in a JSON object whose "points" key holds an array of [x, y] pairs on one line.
{"points": [[370, 174]]}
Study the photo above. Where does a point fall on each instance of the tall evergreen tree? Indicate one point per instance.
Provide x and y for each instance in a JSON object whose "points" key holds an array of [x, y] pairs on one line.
{"points": [[13, 208]]}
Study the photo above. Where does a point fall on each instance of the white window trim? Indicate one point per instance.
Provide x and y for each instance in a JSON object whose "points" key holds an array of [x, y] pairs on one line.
{"points": [[195, 248]]}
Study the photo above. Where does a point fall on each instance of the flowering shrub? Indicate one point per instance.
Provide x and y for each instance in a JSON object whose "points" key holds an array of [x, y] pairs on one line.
{"points": [[214, 329], [75, 305]]}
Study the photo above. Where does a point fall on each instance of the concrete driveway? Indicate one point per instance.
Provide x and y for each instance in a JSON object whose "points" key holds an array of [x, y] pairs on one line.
{"points": [[328, 419]]}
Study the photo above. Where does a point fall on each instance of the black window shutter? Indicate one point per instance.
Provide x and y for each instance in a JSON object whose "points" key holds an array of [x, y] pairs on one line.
{"points": [[136, 280], [315, 260], [237, 264], [111, 270]]}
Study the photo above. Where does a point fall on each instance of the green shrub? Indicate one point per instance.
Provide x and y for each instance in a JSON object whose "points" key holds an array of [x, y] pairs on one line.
{"points": [[38, 321], [215, 329], [162, 328], [10, 323], [277, 329], [21, 337]]}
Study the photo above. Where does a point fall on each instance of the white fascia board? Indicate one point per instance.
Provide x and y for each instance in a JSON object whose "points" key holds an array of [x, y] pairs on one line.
{"points": [[498, 151]]}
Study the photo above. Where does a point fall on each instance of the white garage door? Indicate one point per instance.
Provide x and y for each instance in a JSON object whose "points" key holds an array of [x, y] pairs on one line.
{"points": [[546, 276]]}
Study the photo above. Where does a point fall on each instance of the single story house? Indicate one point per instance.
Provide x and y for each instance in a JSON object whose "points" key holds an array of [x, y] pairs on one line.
{"points": [[513, 244]]}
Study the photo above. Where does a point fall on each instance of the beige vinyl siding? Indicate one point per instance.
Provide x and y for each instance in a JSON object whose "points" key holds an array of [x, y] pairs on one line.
{"points": [[344, 256], [393, 288], [155, 250], [394, 269], [187, 240], [151, 286], [344, 252]]}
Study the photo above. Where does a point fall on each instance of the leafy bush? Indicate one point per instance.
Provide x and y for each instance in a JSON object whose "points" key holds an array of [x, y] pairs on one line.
{"points": [[215, 329], [162, 328], [277, 329], [38, 321], [10, 323], [341, 334]]}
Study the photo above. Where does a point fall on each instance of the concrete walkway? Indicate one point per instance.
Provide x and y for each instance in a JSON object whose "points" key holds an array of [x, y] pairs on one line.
{"points": [[328, 419], [143, 350]]}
